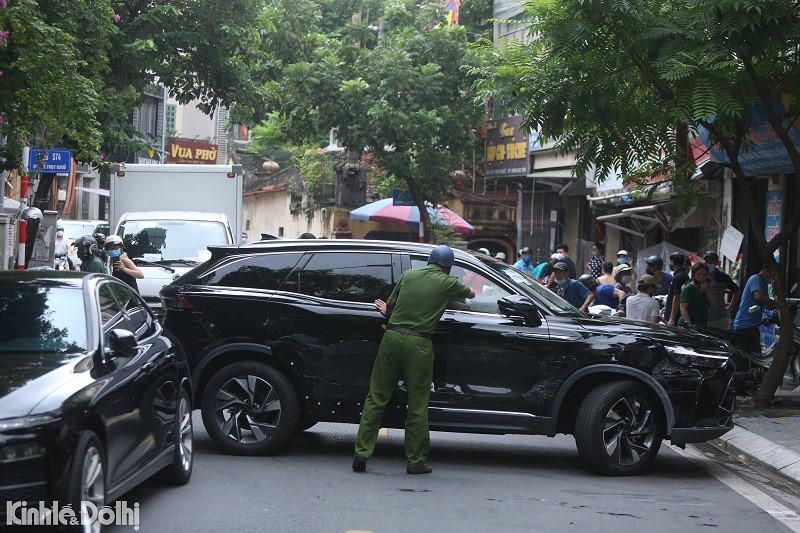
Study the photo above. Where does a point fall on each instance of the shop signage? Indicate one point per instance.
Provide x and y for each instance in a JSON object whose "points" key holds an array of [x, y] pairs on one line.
{"points": [[506, 148], [765, 154], [191, 152], [772, 223]]}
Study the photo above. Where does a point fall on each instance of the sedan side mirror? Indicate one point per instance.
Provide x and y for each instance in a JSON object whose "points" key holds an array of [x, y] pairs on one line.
{"points": [[515, 306], [121, 343]]}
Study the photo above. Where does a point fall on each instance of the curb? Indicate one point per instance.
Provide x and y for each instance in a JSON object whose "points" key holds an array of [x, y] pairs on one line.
{"points": [[768, 454]]}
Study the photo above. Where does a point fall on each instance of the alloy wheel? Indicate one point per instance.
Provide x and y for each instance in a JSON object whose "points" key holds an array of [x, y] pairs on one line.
{"points": [[93, 487], [185, 447], [247, 409], [629, 430]]}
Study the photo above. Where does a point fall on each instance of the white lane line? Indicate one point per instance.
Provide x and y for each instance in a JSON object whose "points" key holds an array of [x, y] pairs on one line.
{"points": [[777, 510]]}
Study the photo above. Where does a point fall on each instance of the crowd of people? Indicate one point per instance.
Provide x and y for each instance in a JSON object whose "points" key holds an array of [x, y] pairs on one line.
{"points": [[690, 291]]}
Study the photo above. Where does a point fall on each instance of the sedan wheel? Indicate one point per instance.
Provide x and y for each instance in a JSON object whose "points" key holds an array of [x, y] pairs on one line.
{"points": [[87, 480], [618, 431], [180, 471], [249, 408]]}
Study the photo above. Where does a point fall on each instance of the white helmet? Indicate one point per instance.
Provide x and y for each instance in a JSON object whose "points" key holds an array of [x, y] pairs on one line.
{"points": [[113, 239]]}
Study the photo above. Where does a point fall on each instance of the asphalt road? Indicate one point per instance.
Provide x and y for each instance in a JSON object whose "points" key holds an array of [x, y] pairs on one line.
{"points": [[479, 483]]}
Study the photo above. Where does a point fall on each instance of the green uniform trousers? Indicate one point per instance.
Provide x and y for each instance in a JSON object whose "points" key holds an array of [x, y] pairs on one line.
{"points": [[412, 358]]}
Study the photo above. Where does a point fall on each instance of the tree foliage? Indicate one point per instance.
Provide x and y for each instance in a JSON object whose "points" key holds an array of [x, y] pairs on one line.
{"points": [[73, 70], [392, 83], [625, 83]]}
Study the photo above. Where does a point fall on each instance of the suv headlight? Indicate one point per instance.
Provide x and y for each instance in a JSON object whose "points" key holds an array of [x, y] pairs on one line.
{"points": [[689, 357], [25, 422]]}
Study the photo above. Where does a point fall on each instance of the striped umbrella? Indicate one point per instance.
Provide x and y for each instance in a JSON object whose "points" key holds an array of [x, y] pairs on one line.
{"points": [[384, 211]]}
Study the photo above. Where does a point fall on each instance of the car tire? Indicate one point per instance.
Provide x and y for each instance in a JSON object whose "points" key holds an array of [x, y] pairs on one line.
{"points": [[180, 471], [303, 424], [86, 480], [249, 408], [618, 429]]}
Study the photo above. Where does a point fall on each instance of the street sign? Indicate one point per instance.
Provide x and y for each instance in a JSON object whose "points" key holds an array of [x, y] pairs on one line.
{"points": [[50, 161]]}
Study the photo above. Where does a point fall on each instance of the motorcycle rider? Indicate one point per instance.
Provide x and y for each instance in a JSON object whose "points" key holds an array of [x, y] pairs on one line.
{"points": [[119, 264], [87, 246], [524, 263], [746, 323], [63, 246], [654, 266]]}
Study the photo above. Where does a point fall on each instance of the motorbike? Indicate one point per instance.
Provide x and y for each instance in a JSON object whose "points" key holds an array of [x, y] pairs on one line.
{"points": [[751, 367], [61, 262]]}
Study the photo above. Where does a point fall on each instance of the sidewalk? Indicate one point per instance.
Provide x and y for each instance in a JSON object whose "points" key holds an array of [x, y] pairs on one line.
{"points": [[770, 437]]}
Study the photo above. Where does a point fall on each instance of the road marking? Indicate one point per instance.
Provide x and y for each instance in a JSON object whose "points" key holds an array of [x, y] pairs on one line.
{"points": [[778, 511]]}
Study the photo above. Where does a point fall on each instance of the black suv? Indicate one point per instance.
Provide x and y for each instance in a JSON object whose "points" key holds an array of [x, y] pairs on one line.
{"points": [[283, 334]]}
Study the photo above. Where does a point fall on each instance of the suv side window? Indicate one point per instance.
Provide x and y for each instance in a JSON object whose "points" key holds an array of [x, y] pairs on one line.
{"points": [[487, 292], [256, 271], [352, 277]]}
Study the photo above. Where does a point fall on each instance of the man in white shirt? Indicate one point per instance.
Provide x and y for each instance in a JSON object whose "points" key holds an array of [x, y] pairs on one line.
{"points": [[642, 306]]}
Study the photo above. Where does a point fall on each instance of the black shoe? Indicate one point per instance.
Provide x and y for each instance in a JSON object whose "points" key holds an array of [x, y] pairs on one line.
{"points": [[359, 464], [424, 469]]}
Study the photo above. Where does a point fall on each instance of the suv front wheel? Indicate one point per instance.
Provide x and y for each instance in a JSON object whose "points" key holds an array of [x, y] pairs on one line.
{"points": [[618, 431], [249, 408]]}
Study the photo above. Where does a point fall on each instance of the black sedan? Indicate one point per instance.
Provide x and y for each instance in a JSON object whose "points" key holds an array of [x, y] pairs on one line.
{"points": [[94, 398], [283, 334]]}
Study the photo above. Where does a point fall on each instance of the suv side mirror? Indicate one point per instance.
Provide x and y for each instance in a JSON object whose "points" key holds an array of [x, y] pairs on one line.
{"points": [[515, 306], [121, 343]]}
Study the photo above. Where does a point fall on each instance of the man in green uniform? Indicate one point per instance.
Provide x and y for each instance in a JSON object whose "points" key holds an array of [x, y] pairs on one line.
{"points": [[414, 309]]}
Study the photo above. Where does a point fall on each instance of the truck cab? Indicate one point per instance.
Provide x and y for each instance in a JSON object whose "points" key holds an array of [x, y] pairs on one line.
{"points": [[167, 244]]}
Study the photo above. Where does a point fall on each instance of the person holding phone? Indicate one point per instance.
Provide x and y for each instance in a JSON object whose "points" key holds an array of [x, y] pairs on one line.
{"points": [[119, 264], [696, 297]]}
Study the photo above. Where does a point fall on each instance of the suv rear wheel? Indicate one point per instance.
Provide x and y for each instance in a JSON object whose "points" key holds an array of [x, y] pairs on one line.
{"points": [[618, 431], [249, 408]]}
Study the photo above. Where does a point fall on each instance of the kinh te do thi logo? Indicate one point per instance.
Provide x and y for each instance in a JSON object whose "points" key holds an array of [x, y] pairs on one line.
{"points": [[19, 513]]}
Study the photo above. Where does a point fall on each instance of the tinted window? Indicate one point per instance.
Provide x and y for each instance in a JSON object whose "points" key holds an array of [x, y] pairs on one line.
{"points": [[487, 292], [140, 321], [41, 320], [353, 277], [263, 271], [111, 314]]}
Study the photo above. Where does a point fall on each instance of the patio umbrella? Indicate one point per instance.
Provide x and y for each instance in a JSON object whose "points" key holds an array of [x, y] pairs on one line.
{"points": [[384, 211]]}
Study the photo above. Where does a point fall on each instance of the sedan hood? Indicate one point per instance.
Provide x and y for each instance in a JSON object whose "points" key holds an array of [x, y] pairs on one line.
{"points": [[660, 333], [27, 379]]}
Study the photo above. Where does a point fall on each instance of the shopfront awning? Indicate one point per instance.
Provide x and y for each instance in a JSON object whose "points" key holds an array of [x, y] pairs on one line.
{"points": [[644, 218], [94, 190], [765, 154]]}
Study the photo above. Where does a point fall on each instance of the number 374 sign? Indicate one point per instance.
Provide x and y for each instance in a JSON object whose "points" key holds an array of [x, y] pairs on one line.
{"points": [[50, 161]]}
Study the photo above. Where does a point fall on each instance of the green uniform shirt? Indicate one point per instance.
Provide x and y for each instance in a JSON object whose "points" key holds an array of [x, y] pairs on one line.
{"points": [[698, 304], [96, 265], [421, 296]]}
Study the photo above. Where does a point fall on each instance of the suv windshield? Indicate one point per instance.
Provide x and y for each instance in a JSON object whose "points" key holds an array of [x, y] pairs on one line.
{"points": [[540, 294], [171, 240], [42, 320]]}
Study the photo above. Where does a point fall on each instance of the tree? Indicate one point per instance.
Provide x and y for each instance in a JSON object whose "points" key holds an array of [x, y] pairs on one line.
{"points": [[390, 83], [626, 83]]}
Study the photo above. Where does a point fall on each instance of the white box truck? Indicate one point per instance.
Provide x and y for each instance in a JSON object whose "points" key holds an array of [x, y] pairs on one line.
{"points": [[167, 216]]}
